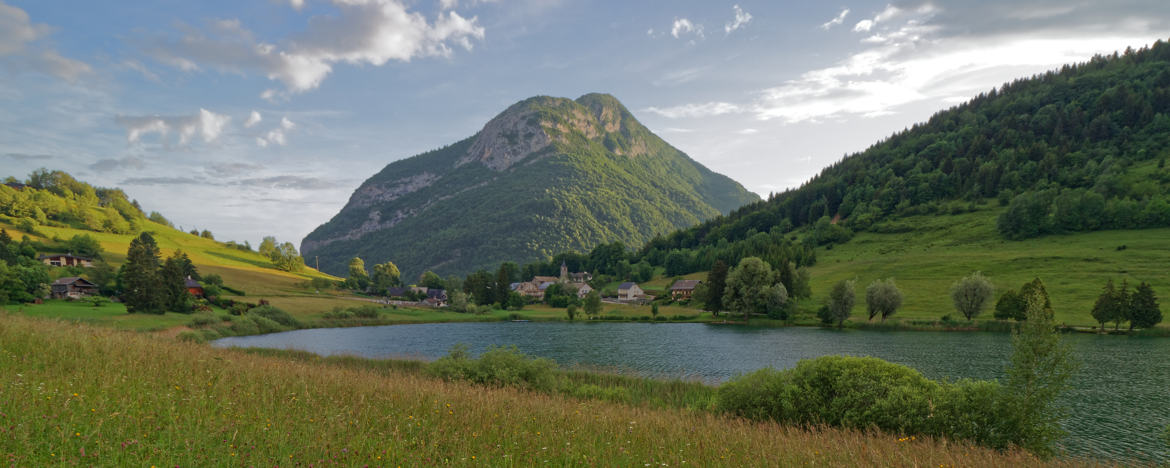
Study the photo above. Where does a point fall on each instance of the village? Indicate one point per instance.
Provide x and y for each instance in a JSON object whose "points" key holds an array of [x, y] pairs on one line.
{"points": [[533, 291]]}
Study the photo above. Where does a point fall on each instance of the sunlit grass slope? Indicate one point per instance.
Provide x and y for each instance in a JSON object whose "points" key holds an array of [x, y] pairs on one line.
{"points": [[935, 251], [241, 270], [77, 395]]}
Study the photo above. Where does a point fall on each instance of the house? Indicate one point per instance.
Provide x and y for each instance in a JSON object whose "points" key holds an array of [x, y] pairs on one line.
{"points": [[58, 260], [583, 290], [72, 287], [530, 289], [629, 291], [396, 291], [683, 289], [193, 287], [436, 297], [15, 185]]}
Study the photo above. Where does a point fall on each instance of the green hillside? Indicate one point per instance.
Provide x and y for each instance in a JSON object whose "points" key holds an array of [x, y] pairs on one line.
{"points": [[547, 175], [52, 207], [1078, 149], [938, 250], [1061, 176]]}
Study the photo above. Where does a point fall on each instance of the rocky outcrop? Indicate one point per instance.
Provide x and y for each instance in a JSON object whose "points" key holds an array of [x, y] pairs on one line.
{"points": [[508, 139], [372, 194]]}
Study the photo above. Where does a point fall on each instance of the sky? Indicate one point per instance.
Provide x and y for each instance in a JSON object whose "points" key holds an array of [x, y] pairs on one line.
{"points": [[256, 118]]}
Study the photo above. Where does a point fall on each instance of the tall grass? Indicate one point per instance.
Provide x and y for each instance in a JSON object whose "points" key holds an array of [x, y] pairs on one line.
{"points": [[72, 394]]}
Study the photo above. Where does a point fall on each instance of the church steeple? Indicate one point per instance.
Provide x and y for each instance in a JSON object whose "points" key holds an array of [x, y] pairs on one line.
{"points": [[564, 270]]}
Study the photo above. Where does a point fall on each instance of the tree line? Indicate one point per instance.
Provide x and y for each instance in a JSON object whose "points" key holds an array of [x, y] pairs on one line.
{"points": [[1054, 145]]}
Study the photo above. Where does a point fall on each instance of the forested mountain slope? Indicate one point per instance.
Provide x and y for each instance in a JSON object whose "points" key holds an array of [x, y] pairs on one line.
{"points": [[1077, 149], [547, 175]]}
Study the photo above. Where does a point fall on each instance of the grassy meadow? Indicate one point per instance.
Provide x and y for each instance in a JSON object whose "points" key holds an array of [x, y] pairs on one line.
{"points": [[73, 394], [935, 251]]}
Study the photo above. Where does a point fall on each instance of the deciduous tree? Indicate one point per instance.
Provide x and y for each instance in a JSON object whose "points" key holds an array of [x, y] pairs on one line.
{"points": [[972, 294], [883, 298], [841, 300]]}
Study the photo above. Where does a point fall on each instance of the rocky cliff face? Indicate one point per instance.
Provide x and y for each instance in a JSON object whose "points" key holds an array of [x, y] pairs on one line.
{"points": [[532, 162]]}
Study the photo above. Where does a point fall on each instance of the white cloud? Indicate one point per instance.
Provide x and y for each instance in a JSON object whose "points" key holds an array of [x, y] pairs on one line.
{"points": [[741, 18], [747, 131], [297, 4], [696, 110], [683, 26], [17, 37], [276, 136], [913, 55], [836, 21], [863, 25], [370, 32], [205, 124], [16, 29], [253, 119]]}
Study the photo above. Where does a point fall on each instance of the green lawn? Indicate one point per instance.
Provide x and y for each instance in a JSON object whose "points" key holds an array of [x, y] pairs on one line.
{"points": [[110, 314], [942, 249]]}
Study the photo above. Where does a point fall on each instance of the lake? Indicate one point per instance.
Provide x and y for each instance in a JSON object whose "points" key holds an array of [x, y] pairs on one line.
{"points": [[1120, 402]]}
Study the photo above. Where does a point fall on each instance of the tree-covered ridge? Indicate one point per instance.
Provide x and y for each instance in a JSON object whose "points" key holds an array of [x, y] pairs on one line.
{"points": [[1080, 148], [557, 175], [56, 197]]}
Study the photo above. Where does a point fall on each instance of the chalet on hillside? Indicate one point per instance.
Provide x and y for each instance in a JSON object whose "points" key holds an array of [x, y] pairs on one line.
{"points": [[72, 287], [683, 289], [397, 291], [630, 291], [193, 287], [66, 260]]}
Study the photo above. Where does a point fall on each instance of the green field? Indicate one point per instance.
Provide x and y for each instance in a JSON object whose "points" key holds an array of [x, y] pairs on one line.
{"points": [[79, 395], [242, 270], [938, 250]]}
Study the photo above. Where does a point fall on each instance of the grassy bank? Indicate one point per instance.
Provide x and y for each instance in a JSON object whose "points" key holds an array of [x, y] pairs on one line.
{"points": [[926, 254], [78, 395]]}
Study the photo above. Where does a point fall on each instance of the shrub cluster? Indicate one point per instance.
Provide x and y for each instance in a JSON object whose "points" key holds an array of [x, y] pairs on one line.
{"points": [[869, 393], [498, 366]]}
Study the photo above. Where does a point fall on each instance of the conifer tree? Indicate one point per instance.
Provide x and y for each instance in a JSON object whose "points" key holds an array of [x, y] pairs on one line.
{"points": [[172, 284], [1144, 308], [1105, 307], [716, 283], [140, 276]]}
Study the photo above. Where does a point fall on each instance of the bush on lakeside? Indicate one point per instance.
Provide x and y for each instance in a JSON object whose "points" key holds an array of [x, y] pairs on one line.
{"points": [[869, 393], [192, 336], [498, 366], [277, 315]]}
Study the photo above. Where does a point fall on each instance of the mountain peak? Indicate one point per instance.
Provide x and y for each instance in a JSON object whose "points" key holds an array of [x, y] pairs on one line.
{"points": [[548, 174], [529, 127]]}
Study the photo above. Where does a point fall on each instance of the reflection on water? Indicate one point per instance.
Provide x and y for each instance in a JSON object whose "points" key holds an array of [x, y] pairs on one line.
{"points": [[1119, 405]]}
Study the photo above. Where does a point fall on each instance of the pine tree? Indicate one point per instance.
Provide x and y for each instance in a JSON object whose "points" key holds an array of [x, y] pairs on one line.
{"points": [[172, 284], [140, 276], [716, 283], [1144, 308], [1105, 307]]}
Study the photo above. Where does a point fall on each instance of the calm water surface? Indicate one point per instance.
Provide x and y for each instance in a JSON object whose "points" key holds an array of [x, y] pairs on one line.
{"points": [[1120, 403]]}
